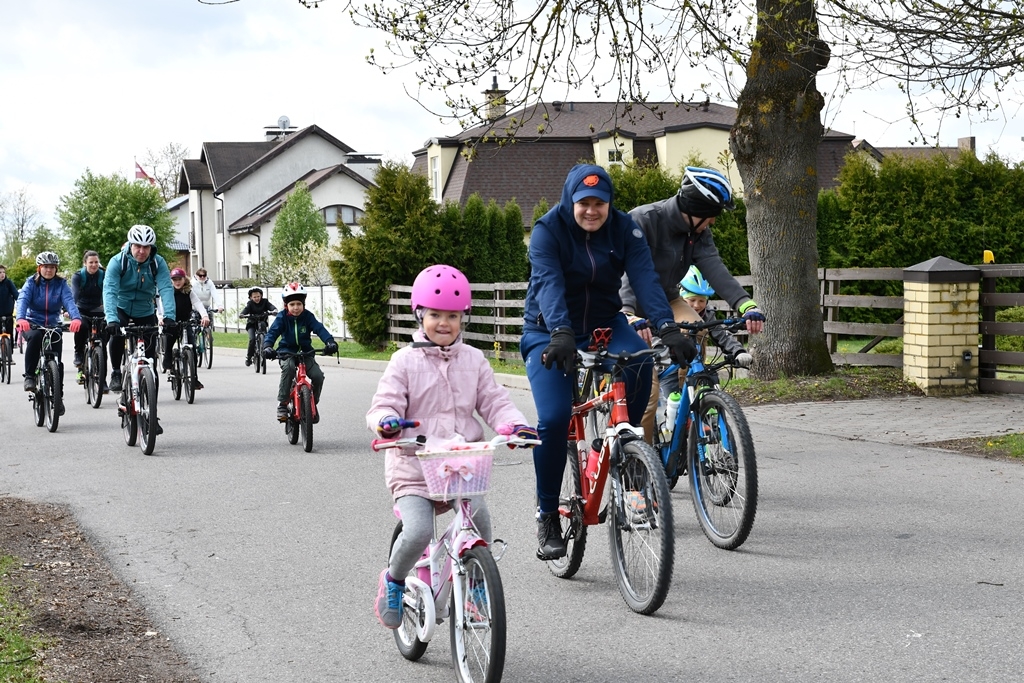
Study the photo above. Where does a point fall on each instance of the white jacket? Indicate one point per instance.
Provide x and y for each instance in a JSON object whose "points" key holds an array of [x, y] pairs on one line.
{"points": [[207, 293]]}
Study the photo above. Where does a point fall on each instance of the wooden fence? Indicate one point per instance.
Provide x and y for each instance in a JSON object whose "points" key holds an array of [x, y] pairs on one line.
{"points": [[989, 359]]}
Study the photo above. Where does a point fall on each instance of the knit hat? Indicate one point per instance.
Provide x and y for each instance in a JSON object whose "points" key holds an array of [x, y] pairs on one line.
{"points": [[593, 185]]}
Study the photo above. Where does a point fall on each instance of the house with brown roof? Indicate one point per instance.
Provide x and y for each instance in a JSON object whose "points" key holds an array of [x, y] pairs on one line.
{"points": [[236, 189], [551, 137], [967, 145]]}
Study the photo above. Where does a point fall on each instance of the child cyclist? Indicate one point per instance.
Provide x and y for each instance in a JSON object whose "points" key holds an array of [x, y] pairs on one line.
{"points": [[696, 291], [186, 300], [295, 329], [438, 381], [257, 306]]}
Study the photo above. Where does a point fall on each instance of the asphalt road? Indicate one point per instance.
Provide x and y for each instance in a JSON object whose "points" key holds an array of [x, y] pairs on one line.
{"points": [[869, 560]]}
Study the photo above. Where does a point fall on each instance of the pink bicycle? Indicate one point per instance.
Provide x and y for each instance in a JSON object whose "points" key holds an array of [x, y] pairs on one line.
{"points": [[458, 573]]}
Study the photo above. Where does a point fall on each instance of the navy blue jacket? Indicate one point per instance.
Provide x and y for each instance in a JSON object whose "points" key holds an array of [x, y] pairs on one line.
{"points": [[575, 275], [8, 296], [88, 290], [296, 332]]}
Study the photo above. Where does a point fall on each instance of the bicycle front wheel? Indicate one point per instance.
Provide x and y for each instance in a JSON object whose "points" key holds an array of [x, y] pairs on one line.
{"points": [[95, 375], [570, 514], [129, 420], [722, 470], [188, 374], [5, 360], [478, 624], [259, 360], [177, 373], [306, 419], [52, 395], [207, 357], [147, 411], [640, 522]]}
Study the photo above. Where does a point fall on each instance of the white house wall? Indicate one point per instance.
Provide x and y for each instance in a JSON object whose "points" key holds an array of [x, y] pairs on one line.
{"points": [[202, 210]]}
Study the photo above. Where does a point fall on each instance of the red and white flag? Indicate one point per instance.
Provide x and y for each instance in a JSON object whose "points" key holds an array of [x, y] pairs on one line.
{"points": [[142, 175]]}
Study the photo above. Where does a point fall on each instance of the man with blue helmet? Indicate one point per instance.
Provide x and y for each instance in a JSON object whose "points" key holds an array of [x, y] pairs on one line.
{"points": [[679, 235]]}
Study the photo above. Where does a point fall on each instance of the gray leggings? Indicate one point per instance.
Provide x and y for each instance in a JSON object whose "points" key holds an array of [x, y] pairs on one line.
{"points": [[418, 528]]}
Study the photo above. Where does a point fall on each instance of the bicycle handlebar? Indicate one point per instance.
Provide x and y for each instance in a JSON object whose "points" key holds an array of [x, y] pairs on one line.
{"points": [[300, 354], [421, 441]]}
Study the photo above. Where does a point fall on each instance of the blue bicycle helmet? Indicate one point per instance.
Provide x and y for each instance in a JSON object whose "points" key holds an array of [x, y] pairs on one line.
{"points": [[694, 284], [704, 193]]}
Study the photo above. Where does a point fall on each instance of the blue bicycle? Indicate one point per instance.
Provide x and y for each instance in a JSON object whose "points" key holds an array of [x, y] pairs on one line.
{"points": [[709, 442]]}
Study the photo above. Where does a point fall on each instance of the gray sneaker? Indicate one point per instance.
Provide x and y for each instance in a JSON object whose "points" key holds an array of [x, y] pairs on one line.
{"points": [[388, 606]]}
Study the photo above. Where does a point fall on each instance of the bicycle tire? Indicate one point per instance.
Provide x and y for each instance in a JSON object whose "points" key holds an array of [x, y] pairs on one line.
{"points": [[596, 420], [306, 418], [38, 405], [259, 360], [147, 411], [640, 526], [722, 470], [96, 375], [208, 347], [411, 647], [478, 627], [51, 395], [188, 375], [177, 373], [5, 360], [129, 420], [570, 512]]}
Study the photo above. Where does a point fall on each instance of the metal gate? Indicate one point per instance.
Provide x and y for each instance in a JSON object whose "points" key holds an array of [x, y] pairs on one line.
{"points": [[991, 362]]}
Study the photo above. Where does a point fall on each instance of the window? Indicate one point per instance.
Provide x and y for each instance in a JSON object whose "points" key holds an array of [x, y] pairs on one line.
{"points": [[615, 156], [435, 178], [349, 215]]}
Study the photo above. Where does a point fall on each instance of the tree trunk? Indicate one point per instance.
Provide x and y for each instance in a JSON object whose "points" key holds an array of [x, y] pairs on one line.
{"points": [[775, 143]]}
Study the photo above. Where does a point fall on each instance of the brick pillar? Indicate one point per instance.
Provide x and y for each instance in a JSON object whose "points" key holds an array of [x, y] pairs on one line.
{"points": [[940, 326]]}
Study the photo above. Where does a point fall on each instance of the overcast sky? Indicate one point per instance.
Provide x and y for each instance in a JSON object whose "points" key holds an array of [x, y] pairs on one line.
{"points": [[94, 84]]}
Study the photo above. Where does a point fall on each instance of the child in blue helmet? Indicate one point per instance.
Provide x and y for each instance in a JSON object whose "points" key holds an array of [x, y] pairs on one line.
{"points": [[696, 290]]}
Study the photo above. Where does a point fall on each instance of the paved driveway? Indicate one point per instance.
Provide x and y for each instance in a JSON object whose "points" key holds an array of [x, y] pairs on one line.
{"points": [[872, 559]]}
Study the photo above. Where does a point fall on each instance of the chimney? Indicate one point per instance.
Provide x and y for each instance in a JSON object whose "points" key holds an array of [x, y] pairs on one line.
{"points": [[557, 105], [966, 144], [495, 100]]}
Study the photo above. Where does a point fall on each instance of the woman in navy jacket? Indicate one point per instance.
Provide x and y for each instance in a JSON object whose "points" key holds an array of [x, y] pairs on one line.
{"points": [[579, 251]]}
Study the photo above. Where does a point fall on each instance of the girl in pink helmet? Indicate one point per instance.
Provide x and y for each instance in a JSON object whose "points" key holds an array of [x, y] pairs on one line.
{"points": [[440, 382]]}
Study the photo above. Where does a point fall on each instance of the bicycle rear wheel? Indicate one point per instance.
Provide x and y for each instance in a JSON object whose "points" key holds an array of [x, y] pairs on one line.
{"points": [[188, 374], [640, 523], [5, 360], [207, 356], [478, 624], [147, 411], [306, 418], [52, 398], [411, 647], [259, 361], [722, 470], [570, 513], [177, 373]]}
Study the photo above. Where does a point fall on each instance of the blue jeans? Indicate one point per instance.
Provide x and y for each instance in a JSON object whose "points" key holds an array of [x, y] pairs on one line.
{"points": [[552, 394]]}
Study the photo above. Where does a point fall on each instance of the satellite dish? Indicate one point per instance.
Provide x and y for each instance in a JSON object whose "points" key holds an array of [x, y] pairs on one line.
{"points": [[283, 123]]}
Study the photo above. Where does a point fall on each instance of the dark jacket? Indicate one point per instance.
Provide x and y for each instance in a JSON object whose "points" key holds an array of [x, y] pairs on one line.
{"points": [[264, 307], [674, 249], [8, 296], [296, 332], [575, 274], [88, 290]]}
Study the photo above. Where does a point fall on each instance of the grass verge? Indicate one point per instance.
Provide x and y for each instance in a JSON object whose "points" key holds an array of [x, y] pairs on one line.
{"points": [[846, 383], [18, 662]]}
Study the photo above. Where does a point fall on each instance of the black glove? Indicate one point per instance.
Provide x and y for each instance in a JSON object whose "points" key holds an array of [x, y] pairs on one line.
{"points": [[170, 325], [680, 346], [269, 352], [561, 350], [330, 348], [114, 329]]}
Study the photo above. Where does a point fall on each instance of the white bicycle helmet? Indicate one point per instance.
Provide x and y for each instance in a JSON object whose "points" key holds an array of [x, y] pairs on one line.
{"points": [[293, 290], [142, 234], [47, 258]]}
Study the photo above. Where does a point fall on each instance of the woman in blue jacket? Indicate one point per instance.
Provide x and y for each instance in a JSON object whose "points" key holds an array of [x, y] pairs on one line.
{"points": [[39, 305], [579, 251]]}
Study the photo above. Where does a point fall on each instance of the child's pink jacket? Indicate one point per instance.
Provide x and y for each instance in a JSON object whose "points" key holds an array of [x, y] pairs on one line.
{"points": [[441, 387]]}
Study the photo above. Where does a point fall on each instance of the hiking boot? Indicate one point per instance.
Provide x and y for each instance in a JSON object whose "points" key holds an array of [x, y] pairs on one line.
{"points": [[388, 606], [549, 536], [248, 361], [30, 383], [115, 380], [198, 385], [282, 412]]}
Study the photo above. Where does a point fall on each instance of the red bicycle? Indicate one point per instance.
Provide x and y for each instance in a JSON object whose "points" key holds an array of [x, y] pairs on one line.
{"points": [[603, 448], [302, 414]]}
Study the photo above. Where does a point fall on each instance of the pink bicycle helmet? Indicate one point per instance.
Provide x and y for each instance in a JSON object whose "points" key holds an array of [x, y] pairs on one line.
{"points": [[442, 288]]}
